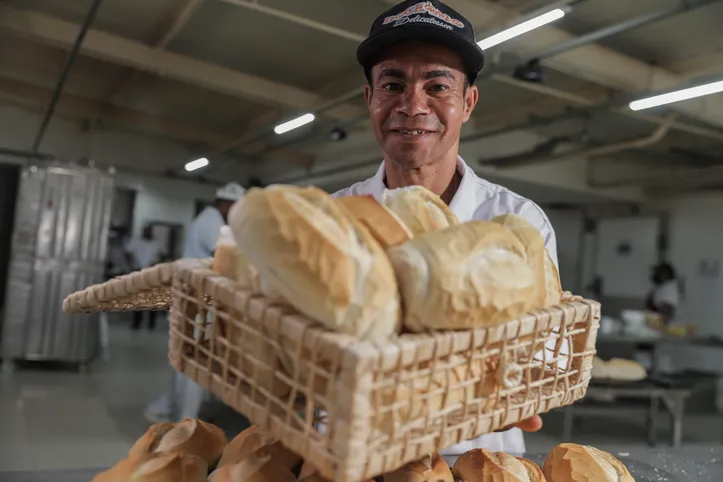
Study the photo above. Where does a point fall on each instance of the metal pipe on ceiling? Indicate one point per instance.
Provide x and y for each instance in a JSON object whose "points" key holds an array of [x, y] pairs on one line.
{"points": [[631, 24], [90, 16], [646, 141]]}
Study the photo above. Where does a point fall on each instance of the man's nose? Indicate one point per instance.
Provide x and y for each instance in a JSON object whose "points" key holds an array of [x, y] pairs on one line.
{"points": [[413, 102]]}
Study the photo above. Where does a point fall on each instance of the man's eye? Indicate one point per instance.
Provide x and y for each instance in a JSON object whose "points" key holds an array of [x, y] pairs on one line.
{"points": [[439, 88], [392, 87]]}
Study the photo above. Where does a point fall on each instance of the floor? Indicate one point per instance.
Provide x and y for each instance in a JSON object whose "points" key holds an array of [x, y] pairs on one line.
{"points": [[61, 419]]}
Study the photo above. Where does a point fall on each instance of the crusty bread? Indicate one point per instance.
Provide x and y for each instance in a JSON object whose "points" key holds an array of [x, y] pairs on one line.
{"points": [[480, 465], [383, 224], [321, 260], [255, 442], [618, 369], [578, 463], [431, 468], [160, 467], [190, 436], [553, 287], [420, 209], [253, 469], [534, 246], [465, 276]]}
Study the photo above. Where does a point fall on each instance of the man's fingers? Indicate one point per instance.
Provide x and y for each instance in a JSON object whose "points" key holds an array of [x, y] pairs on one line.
{"points": [[532, 424]]}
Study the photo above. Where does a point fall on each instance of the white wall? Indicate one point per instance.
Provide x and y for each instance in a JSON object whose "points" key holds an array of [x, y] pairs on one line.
{"points": [[696, 231]]}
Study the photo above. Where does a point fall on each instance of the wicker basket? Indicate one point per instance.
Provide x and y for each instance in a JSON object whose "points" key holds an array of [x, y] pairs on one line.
{"points": [[146, 290], [383, 404]]}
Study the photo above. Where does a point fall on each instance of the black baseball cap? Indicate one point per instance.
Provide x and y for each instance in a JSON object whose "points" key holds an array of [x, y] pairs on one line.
{"points": [[429, 20]]}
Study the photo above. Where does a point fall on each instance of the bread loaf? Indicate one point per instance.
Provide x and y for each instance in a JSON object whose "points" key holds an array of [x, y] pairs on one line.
{"points": [[255, 442], [383, 224], [470, 275], [161, 467], [534, 245], [190, 436], [480, 465], [431, 468], [253, 469], [578, 463], [321, 260], [420, 209]]}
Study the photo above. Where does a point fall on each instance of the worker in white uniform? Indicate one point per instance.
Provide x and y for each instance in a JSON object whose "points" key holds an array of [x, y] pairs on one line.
{"points": [[421, 61], [184, 397]]}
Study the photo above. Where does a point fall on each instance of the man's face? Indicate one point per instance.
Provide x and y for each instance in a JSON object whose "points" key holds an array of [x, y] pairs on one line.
{"points": [[417, 102]]}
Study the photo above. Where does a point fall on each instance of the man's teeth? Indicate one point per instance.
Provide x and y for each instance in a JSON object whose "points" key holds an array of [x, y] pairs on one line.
{"points": [[413, 133]]}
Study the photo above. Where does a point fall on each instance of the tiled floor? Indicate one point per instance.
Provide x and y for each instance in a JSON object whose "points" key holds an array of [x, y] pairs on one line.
{"points": [[62, 420]]}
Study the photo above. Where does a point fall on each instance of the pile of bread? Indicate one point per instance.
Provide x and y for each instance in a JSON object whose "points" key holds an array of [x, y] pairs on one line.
{"points": [[373, 270], [195, 451]]}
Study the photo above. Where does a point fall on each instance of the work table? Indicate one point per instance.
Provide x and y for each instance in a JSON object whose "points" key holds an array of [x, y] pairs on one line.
{"points": [[685, 464]]}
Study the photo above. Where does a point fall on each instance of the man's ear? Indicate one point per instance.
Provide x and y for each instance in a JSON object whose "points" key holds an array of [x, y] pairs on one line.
{"points": [[470, 101], [368, 92]]}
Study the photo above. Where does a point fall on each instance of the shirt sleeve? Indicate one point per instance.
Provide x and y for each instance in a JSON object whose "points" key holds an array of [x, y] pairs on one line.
{"points": [[534, 215]]}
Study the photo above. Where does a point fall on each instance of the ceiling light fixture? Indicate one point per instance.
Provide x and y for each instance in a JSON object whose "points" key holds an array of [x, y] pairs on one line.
{"points": [[197, 164], [521, 28], [677, 96], [294, 123]]}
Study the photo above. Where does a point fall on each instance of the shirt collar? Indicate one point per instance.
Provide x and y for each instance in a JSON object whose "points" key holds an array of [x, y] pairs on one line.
{"points": [[462, 205]]}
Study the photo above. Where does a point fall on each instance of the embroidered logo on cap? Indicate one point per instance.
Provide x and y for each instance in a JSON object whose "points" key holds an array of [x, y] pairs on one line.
{"points": [[419, 10]]}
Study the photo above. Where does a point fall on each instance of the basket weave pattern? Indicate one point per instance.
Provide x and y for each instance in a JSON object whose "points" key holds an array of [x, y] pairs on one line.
{"points": [[383, 404], [146, 290]]}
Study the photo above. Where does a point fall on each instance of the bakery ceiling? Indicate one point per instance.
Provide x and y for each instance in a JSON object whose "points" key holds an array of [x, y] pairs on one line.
{"points": [[223, 73]]}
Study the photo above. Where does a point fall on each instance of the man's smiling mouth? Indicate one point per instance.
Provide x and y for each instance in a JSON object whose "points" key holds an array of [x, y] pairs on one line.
{"points": [[411, 132]]}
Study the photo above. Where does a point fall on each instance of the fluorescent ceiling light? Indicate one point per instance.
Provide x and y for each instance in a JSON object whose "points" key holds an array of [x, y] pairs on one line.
{"points": [[521, 28], [677, 96], [294, 123], [197, 164]]}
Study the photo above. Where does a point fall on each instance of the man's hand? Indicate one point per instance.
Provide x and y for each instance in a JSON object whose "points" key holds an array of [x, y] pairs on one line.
{"points": [[532, 424]]}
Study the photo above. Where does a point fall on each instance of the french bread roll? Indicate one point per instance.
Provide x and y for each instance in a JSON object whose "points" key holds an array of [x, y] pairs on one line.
{"points": [[420, 209], [255, 442], [431, 468], [383, 224], [465, 276], [534, 245], [253, 469], [480, 465], [578, 463], [190, 436], [618, 369], [319, 259], [161, 467], [599, 369]]}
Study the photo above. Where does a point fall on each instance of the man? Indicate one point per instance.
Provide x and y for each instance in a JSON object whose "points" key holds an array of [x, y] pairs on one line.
{"points": [[421, 60], [184, 397], [143, 252], [664, 297]]}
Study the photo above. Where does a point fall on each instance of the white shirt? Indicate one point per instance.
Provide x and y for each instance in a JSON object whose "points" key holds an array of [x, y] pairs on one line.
{"points": [[667, 293], [477, 199], [203, 234], [145, 252]]}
